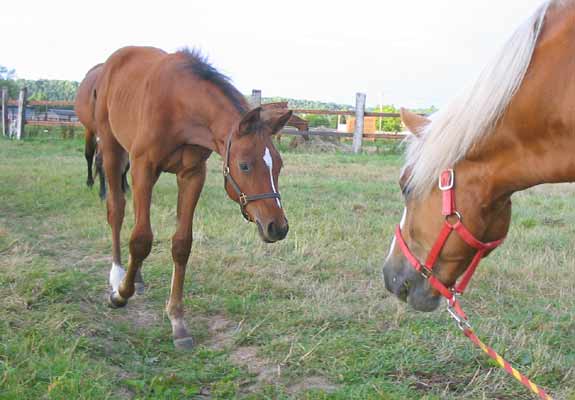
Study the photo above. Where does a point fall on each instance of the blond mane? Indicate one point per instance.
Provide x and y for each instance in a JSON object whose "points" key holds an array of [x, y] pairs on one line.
{"points": [[471, 116]]}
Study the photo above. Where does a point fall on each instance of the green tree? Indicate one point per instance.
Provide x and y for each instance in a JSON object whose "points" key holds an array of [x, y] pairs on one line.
{"points": [[48, 89], [328, 121], [7, 80], [388, 124]]}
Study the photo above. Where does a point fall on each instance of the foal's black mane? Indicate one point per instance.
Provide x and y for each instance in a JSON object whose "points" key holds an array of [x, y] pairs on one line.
{"points": [[200, 66]]}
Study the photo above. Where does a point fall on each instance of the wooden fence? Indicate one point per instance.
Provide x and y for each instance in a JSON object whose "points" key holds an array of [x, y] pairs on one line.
{"points": [[15, 114]]}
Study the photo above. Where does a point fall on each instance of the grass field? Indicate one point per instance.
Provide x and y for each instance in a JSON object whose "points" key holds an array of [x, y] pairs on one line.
{"points": [[304, 318]]}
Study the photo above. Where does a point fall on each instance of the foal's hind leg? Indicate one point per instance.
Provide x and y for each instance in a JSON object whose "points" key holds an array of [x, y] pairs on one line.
{"points": [[144, 177], [190, 184]]}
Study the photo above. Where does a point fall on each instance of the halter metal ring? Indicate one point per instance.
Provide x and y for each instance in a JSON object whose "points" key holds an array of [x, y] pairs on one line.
{"points": [[455, 213]]}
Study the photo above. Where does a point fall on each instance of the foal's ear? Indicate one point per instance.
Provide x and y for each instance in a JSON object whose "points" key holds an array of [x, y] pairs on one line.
{"points": [[279, 123], [251, 122], [415, 123]]}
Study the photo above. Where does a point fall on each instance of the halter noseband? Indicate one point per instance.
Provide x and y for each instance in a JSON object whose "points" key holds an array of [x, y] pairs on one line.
{"points": [[447, 187], [243, 198]]}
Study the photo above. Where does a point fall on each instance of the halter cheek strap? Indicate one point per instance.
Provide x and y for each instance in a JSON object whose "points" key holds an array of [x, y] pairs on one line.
{"points": [[448, 209], [244, 199]]}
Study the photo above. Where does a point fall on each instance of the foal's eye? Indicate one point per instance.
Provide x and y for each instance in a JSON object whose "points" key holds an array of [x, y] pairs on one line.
{"points": [[244, 167]]}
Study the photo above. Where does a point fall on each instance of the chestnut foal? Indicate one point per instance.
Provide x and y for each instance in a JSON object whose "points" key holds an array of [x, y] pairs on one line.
{"points": [[168, 113]]}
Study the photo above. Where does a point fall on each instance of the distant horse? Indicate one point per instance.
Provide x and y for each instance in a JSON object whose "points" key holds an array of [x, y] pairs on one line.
{"points": [[168, 113], [511, 130], [84, 106]]}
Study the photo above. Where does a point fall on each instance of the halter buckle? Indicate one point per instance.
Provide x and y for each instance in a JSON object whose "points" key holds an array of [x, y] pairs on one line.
{"points": [[243, 199], [425, 272], [226, 171], [449, 184]]}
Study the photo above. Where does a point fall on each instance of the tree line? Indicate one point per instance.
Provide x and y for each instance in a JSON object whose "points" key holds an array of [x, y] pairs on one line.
{"points": [[64, 90], [41, 89]]}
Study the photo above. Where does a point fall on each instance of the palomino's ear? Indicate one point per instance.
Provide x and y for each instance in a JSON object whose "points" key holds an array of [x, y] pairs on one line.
{"points": [[250, 123], [279, 123], [415, 123]]}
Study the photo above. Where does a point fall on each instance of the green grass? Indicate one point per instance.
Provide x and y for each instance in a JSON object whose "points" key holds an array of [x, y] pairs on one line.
{"points": [[271, 321]]}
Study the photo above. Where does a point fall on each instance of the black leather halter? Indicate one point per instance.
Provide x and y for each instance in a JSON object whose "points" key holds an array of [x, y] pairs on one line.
{"points": [[243, 198]]}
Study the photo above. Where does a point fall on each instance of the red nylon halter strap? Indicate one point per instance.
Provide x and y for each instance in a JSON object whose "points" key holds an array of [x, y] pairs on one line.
{"points": [[447, 186]]}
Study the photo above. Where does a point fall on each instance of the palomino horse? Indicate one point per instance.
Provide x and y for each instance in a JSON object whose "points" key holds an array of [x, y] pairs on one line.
{"points": [[169, 112], [84, 106], [511, 130]]}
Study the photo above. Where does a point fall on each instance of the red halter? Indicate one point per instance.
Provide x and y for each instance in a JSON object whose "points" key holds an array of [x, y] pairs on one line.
{"points": [[447, 186]]}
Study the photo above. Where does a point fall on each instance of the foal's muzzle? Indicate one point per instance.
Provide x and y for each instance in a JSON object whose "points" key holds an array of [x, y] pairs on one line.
{"points": [[272, 231]]}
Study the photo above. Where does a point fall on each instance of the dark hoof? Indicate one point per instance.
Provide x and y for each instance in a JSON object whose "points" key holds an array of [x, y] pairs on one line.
{"points": [[186, 343], [90, 183], [116, 301], [140, 288]]}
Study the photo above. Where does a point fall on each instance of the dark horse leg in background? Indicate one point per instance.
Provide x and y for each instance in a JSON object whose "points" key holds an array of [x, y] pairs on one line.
{"points": [[89, 150]]}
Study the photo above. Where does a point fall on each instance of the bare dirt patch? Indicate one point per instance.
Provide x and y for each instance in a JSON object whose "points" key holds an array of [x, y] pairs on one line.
{"points": [[267, 372], [221, 331], [264, 371], [139, 313], [312, 383]]}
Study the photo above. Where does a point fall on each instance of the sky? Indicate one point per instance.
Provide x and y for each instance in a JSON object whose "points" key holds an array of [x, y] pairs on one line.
{"points": [[410, 53]]}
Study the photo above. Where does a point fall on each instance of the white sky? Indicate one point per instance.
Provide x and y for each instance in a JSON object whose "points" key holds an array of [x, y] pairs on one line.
{"points": [[410, 53]]}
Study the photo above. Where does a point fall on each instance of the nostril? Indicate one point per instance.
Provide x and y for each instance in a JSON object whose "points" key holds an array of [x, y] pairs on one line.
{"points": [[276, 231], [272, 229]]}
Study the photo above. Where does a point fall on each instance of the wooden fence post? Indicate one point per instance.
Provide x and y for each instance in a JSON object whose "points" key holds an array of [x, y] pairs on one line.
{"points": [[4, 115], [21, 118], [359, 112], [256, 98]]}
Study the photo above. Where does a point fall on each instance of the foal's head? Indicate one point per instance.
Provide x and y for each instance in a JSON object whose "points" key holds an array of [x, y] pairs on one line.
{"points": [[482, 211], [254, 167]]}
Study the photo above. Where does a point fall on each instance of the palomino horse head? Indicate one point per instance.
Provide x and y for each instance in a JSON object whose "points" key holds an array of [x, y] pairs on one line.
{"points": [[251, 170], [443, 229], [463, 165]]}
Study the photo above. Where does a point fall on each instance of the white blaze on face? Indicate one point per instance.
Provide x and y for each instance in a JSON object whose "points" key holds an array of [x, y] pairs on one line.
{"points": [[270, 163], [116, 275], [401, 223]]}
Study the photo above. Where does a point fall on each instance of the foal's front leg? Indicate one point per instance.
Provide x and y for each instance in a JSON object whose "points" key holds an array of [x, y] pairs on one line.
{"points": [[190, 184], [143, 179]]}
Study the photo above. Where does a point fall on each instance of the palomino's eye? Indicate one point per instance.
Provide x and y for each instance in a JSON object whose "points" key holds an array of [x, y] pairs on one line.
{"points": [[244, 167]]}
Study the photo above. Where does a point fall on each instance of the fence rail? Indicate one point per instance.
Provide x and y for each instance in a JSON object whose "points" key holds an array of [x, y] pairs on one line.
{"points": [[17, 113]]}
